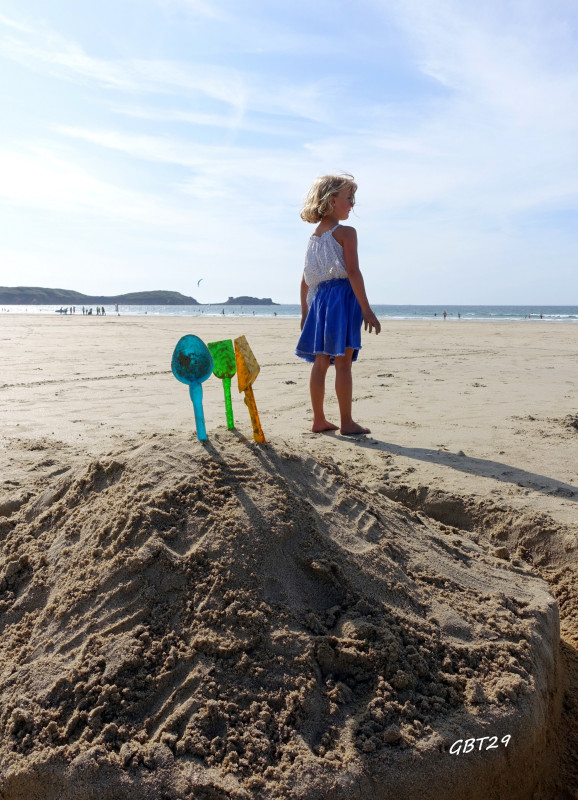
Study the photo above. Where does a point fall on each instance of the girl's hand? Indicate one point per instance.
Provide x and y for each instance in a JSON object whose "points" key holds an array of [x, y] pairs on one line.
{"points": [[370, 321]]}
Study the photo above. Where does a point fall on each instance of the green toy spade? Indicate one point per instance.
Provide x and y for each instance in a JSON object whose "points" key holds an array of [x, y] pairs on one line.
{"points": [[224, 367]]}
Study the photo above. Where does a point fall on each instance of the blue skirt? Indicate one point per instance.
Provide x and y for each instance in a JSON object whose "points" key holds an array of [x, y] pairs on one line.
{"points": [[333, 323]]}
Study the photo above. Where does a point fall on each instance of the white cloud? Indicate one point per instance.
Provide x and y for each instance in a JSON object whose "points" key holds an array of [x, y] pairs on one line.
{"points": [[65, 59], [236, 121], [16, 25], [44, 49], [505, 127], [43, 180]]}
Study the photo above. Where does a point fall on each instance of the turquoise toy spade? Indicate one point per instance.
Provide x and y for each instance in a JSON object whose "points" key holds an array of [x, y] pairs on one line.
{"points": [[192, 363]]}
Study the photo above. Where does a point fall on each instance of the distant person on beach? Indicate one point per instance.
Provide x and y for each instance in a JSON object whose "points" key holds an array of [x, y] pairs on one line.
{"points": [[333, 299]]}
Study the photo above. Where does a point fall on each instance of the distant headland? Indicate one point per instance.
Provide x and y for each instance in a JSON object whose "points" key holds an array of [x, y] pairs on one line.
{"points": [[39, 296]]}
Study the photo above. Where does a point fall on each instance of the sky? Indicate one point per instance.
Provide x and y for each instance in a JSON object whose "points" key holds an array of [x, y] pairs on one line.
{"points": [[149, 144]]}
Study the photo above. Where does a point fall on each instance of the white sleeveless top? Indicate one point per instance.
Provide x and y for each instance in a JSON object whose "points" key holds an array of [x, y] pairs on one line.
{"points": [[323, 261]]}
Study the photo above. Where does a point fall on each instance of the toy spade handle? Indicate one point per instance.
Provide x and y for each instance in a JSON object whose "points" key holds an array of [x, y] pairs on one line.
{"points": [[196, 392], [251, 405], [228, 403]]}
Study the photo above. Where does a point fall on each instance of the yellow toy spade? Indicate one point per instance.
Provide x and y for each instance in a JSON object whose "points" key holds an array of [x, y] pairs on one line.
{"points": [[247, 371]]}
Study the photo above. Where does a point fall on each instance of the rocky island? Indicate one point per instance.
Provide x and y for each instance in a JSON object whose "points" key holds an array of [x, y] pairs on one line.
{"points": [[244, 300]]}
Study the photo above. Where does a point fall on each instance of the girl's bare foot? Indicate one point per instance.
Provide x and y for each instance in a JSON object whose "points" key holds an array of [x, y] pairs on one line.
{"points": [[323, 425], [354, 430]]}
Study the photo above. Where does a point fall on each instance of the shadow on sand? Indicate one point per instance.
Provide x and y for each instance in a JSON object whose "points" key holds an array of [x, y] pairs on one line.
{"points": [[470, 465]]}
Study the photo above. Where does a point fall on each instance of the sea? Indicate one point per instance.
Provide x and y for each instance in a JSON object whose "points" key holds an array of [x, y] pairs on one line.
{"points": [[549, 314]]}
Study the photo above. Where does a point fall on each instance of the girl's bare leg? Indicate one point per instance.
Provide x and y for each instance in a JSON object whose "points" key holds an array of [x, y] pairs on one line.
{"points": [[344, 392], [317, 389]]}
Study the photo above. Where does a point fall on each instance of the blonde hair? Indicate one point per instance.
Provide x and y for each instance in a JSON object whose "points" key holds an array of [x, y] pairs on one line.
{"points": [[318, 202]]}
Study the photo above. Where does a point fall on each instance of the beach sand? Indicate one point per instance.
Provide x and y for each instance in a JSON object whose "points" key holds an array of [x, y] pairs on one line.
{"points": [[391, 616]]}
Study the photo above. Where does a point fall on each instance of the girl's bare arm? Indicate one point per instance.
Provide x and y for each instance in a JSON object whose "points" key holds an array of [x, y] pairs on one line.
{"points": [[347, 238]]}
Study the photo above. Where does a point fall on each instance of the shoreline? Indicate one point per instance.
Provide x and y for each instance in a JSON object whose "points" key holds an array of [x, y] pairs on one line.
{"points": [[292, 311]]}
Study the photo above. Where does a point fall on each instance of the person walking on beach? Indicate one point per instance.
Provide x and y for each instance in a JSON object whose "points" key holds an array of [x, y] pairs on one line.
{"points": [[333, 299]]}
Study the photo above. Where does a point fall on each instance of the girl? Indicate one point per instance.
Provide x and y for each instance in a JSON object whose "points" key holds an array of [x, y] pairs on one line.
{"points": [[333, 299]]}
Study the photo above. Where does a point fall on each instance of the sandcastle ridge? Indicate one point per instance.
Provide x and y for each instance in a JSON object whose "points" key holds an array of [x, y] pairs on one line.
{"points": [[231, 621]]}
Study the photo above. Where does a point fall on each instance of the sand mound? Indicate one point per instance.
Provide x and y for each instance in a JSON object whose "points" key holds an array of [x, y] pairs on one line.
{"points": [[234, 621]]}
